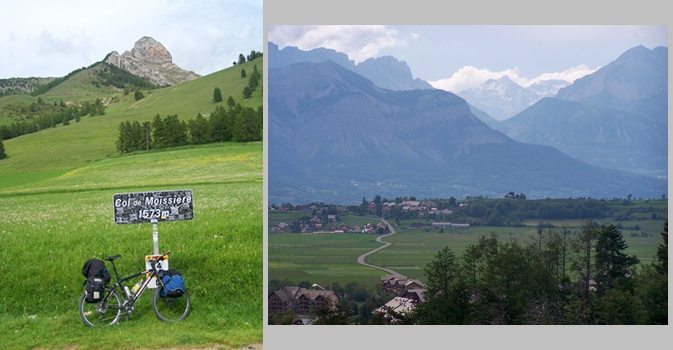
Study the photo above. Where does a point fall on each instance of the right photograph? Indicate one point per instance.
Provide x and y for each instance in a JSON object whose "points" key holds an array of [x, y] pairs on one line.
{"points": [[467, 175]]}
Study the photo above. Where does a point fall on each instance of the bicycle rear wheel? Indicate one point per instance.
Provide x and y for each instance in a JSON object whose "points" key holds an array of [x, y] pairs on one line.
{"points": [[101, 313], [170, 309]]}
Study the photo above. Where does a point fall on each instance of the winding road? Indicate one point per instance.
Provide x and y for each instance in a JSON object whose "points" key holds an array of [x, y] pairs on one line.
{"points": [[361, 258]]}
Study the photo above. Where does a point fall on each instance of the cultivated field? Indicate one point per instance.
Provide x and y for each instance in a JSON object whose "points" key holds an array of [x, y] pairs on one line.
{"points": [[330, 257]]}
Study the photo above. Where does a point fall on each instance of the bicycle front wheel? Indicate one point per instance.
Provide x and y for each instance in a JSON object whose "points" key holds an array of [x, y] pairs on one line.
{"points": [[170, 309], [102, 313]]}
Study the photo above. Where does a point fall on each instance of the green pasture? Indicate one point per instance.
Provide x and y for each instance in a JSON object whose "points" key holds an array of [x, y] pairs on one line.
{"points": [[321, 258], [51, 224], [295, 256]]}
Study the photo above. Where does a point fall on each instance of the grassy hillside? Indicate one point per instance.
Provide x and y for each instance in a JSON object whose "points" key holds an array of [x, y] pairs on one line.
{"points": [[56, 192], [57, 150]]}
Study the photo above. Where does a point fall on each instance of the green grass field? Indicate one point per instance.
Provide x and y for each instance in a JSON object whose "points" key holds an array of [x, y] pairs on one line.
{"points": [[51, 227], [299, 257], [56, 191]]}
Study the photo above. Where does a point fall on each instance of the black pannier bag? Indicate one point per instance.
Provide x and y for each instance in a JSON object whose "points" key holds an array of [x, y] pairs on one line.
{"points": [[97, 276], [95, 289]]}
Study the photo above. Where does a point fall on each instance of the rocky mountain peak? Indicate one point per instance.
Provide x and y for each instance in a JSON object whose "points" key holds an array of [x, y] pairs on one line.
{"points": [[151, 60], [148, 49]]}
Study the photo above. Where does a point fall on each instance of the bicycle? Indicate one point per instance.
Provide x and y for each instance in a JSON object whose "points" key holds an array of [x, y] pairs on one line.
{"points": [[109, 309]]}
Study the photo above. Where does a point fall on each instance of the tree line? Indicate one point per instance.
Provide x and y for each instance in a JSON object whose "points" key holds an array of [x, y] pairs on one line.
{"points": [[562, 278], [40, 115], [235, 123]]}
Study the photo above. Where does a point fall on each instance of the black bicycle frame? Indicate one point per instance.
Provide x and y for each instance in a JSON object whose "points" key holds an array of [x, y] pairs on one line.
{"points": [[153, 273]]}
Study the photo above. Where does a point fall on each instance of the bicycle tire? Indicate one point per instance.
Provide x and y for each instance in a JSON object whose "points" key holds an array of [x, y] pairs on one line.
{"points": [[99, 314], [170, 309]]}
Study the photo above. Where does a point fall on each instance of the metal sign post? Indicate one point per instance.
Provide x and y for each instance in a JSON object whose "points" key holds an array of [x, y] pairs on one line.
{"points": [[155, 236], [152, 207]]}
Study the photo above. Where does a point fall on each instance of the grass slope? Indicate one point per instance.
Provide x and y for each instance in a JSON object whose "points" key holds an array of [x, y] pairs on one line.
{"points": [[50, 227], [56, 192], [58, 150]]}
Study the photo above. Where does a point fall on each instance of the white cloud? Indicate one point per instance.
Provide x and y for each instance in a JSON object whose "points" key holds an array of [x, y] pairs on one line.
{"points": [[58, 37], [358, 42], [469, 77]]}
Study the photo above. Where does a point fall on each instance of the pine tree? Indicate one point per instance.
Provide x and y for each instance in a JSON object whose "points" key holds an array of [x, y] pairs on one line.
{"points": [[220, 125], [241, 58], [3, 155], [247, 92], [158, 132], [138, 95], [199, 130], [243, 73], [230, 102], [612, 264], [217, 95]]}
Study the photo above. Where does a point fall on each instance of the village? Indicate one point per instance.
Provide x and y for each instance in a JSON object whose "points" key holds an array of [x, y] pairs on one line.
{"points": [[303, 306], [327, 218]]}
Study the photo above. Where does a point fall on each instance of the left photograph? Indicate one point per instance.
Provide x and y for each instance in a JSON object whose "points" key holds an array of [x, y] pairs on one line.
{"points": [[131, 174]]}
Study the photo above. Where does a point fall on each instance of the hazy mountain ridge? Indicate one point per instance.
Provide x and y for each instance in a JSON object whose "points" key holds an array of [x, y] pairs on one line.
{"points": [[334, 136], [385, 72], [616, 117]]}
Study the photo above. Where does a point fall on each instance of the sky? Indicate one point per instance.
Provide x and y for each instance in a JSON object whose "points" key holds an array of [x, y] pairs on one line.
{"points": [[52, 38], [456, 58]]}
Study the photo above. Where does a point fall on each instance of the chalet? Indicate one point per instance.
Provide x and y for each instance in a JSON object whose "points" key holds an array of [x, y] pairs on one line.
{"points": [[316, 220], [301, 301], [331, 218], [396, 306], [417, 295]]}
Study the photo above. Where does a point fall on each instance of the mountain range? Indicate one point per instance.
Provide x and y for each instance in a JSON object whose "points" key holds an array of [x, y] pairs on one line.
{"points": [[502, 98], [616, 117], [386, 72], [334, 135]]}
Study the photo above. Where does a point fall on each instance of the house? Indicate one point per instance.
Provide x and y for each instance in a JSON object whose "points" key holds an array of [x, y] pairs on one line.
{"points": [[301, 301], [417, 295], [395, 307], [316, 220], [331, 217]]}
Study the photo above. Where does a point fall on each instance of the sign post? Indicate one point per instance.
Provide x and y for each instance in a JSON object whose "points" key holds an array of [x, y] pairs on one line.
{"points": [[152, 207]]}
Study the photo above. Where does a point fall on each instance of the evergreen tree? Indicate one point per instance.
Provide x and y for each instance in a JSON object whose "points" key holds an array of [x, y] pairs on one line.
{"points": [[241, 58], [3, 155], [662, 252], [230, 102], [176, 131], [217, 95], [612, 264], [220, 125], [147, 131], [447, 300], [199, 130], [247, 92], [159, 138], [138, 95], [243, 73]]}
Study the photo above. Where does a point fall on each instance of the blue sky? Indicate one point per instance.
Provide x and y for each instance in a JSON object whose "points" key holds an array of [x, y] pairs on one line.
{"points": [[52, 38], [457, 57]]}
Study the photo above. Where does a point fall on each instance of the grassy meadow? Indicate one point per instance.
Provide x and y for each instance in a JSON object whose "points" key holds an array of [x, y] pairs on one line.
{"points": [[56, 212]]}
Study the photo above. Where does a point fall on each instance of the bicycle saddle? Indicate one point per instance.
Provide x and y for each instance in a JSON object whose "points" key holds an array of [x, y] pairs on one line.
{"points": [[110, 258]]}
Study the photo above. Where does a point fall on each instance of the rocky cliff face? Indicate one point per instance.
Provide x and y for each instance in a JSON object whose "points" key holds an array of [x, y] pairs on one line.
{"points": [[151, 60]]}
